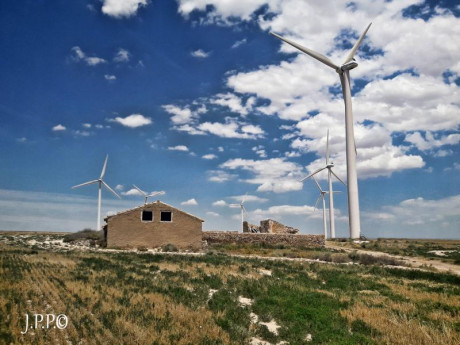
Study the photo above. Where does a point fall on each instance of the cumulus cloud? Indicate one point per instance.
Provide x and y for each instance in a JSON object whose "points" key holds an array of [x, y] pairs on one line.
{"points": [[58, 128], [275, 174], [79, 55], [428, 141], [212, 214], [190, 202], [232, 129], [200, 53], [220, 176], [248, 198], [239, 43], [110, 77], [122, 8], [420, 211], [122, 55], [209, 156], [178, 148], [132, 191], [219, 203], [133, 120], [284, 210]]}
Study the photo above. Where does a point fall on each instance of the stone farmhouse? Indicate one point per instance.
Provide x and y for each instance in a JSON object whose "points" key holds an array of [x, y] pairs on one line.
{"points": [[153, 225]]}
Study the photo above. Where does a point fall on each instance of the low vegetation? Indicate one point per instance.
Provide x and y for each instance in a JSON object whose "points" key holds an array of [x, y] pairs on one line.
{"points": [[142, 298], [445, 250]]}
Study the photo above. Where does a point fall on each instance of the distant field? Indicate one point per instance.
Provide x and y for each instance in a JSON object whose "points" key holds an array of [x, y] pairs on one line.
{"points": [[444, 250], [144, 298]]}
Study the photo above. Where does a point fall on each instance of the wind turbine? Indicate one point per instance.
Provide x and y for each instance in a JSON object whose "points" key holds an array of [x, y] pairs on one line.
{"points": [[243, 210], [101, 182], [344, 72], [329, 166], [146, 195], [321, 196]]}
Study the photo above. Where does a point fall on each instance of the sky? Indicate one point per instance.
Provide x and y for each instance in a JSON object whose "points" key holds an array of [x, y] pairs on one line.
{"points": [[197, 99]]}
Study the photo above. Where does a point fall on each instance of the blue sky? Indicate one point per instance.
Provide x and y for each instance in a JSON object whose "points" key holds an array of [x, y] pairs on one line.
{"points": [[195, 98]]}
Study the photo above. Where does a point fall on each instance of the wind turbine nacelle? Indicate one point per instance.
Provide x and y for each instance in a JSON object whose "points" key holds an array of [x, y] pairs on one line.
{"points": [[349, 65]]}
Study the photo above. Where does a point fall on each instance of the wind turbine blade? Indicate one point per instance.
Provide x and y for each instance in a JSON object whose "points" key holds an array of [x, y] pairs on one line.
{"points": [[110, 189], [244, 210], [338, 178], [353, 50], [327, 148], [244, 198], [319, 187], [317, 200], [85, 184], [103, 168], [320, 57], [313, 173], [140, 190]]}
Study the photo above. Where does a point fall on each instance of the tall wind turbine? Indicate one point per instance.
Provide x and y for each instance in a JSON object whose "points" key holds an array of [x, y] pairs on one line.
{"points": [[344, 72], [329, 165], [243, 210], [146, 195], [100, 182]]}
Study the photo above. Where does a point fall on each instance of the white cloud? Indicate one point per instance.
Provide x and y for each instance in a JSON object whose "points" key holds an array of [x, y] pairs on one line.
{"points": [[248, 198], [220, 149], [21, 140], [132, 191], [209, 156], [119, 187], [178, 148], [284, 210], [219, 203], [79, 55], [219, 176], [133, 120], [238, 43], [233, 102], [419, 211], [181, 115], [232, 129], [275, 174], [86, 125], [190, 202], [429, 142], [122, 8], [110, 77], [58, 128], [122, 55], [200, 54], [82, 133], [260, 151], [212, 214]]}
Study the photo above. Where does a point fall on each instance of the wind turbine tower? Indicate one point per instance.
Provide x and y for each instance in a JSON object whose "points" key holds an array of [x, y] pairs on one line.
{"points": [[344, 73], [243, 211], [100, 182]]}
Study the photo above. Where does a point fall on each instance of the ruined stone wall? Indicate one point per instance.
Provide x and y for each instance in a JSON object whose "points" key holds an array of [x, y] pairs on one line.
{"points": [[271, 226], [222, 237], [251, 228]]}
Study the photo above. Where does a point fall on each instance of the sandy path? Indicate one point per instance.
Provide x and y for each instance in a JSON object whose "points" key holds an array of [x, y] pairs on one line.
{"points": [[417, 262]]}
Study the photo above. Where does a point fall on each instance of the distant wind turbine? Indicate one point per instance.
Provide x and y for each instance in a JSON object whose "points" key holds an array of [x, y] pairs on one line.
{"points": [[328, 166], [146, 195], [243, 210], [322, 196], [101, 182], [344, 73]]}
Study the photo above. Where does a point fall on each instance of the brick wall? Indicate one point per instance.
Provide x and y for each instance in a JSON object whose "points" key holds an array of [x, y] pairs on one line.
{"points": [[127, 230], [223, 237]]}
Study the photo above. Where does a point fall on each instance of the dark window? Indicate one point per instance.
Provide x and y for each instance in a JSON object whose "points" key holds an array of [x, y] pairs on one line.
{"points": [[147, 216], [166, 216]]}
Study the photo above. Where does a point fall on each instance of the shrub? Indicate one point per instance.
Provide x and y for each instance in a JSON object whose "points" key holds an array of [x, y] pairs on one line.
{"points": [[142, 249], [169, 248], [340, 258], [95, 237]]}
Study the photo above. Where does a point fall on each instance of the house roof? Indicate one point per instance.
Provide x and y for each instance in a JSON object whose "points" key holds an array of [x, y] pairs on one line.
{"points": [[153, 203]]}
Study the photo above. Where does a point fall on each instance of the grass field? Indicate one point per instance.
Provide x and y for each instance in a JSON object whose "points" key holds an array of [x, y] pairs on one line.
{"points": [[445, 250], [214, 298]]}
